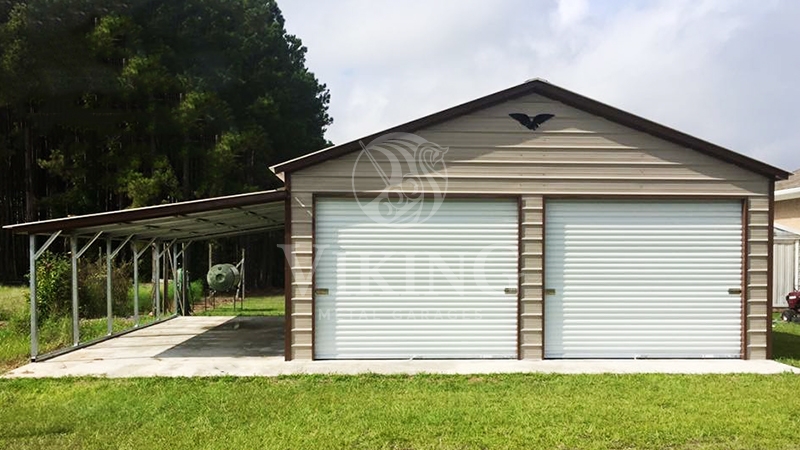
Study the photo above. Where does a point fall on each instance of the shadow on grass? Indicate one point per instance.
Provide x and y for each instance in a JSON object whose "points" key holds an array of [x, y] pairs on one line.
{"points": [[786, 343]]}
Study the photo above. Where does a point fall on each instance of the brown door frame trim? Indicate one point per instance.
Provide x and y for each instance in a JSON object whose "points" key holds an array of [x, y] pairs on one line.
{"points": [[745, 267], [770, 243], [287, 272]]}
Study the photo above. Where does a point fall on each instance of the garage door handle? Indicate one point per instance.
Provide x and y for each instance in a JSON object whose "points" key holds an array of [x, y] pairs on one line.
{"points": [[321, 291], [735, 291], [549, 292]]}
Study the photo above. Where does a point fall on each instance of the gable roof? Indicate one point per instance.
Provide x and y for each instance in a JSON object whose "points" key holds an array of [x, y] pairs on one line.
{"points": [[792, 182], [544, 88]]}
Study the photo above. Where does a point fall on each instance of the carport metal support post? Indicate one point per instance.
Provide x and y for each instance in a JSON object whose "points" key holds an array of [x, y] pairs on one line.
{"points": [[109, 311], [73, 247], [73, 244], [34, 254], [157, 277], [181, 295], [110, 255], [135, 252], [175, 277], [184, 284], [32, 278]]}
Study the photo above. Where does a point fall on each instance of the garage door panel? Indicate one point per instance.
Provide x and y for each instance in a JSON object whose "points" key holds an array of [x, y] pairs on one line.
{"points": [[435, 289], [642, 279]]}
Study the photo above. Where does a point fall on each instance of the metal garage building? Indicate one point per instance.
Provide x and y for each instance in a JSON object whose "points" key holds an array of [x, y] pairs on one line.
{"points": [[531, 223]]}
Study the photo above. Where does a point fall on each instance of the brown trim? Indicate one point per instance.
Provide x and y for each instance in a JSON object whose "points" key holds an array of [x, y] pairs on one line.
{"points": [[770, 243], [287, 275], [455, 195], [313, 276], [745, 240], [558, 94], [519, 276], [544, 278], [147, 212], [676, 197]]}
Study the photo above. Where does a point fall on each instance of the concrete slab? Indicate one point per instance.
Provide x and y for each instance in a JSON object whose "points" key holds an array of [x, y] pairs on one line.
{"points": [[253, 346]]}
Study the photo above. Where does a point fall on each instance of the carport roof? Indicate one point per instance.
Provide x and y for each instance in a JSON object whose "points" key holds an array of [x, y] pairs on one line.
{"points": [[192, 220]]}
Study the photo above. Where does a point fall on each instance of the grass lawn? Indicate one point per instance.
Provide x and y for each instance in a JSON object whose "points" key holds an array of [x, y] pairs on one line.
{"points": [[404, 412], [253, 306], [54, 334], [786, 343]]}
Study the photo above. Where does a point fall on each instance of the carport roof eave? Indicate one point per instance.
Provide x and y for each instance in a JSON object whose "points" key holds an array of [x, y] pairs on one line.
{"points": [[127, 219]]}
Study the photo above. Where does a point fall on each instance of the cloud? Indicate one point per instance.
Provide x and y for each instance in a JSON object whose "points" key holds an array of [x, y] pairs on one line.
{"points": [[570, 12], [722, 70]]}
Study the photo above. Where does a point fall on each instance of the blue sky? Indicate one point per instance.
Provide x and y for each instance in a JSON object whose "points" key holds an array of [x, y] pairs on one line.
{"points": [[727, 71]]}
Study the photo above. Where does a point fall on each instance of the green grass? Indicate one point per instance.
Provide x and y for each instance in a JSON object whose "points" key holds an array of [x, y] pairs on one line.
{"points": [[13, 300], [253, 306], [786, 342], [404, 412], [55, 333]]}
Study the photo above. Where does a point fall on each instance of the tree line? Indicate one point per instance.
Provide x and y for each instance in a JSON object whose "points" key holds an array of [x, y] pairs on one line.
{"points": [[107, 105]]}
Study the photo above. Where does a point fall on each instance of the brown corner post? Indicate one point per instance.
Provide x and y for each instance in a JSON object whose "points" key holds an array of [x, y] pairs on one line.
{"points": [[744, 295], [287, 272], [770, 236]]}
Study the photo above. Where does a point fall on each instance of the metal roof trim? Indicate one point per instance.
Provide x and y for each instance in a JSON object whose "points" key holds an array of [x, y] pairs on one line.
{"points": [[148, 212]]}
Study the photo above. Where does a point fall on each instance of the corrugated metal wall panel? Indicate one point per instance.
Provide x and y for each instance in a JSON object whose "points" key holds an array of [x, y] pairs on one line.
{"points": [[642, 279], [783, 266], [429, 290]]}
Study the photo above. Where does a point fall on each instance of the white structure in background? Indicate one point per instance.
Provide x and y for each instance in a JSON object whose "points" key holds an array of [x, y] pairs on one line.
{"points": [[786, 243], [785, 254]]}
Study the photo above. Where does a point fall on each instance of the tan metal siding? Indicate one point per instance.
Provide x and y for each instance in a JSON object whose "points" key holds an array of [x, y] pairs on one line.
{"points": [[787, 213], [757, 278], [531, 272], [573, 154], [301, 263]]}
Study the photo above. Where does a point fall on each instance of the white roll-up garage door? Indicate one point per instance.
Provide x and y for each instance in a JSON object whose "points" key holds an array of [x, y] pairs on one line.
{"points": [[442, 288], [630, 279]]}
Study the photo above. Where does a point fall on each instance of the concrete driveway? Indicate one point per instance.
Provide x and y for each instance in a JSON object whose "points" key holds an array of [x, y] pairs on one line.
{"points": [[253, 346]]}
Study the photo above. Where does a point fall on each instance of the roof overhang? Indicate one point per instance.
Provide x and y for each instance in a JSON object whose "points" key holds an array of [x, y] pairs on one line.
{"points": [[784, 234], [544, 88], [787, 194], [210, 218]]}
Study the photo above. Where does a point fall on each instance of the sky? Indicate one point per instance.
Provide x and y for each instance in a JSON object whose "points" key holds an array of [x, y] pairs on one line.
{"points": [[726, 71]]}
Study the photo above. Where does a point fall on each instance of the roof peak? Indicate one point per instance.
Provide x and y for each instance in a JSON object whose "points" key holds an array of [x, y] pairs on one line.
{"points": [[559, 94]]}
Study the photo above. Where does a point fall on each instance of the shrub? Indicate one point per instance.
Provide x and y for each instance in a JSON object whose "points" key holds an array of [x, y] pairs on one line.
{"points": [[92, 288], [53, 285]]}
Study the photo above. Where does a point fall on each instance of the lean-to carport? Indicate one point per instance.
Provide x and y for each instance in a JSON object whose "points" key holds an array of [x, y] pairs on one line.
{"points": [[160, 228]]}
